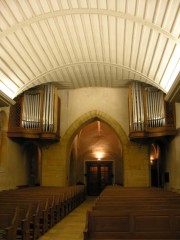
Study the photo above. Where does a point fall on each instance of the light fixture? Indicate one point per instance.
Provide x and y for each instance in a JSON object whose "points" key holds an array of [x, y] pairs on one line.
{"points": [[151, 160], [99, 153]]}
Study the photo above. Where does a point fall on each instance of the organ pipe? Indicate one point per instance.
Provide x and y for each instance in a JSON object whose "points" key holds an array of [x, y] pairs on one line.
{"points": [[155, 112], [36, 114], [149, 114], [48, 109], [31, 110], [155, 107], [138, 107]]}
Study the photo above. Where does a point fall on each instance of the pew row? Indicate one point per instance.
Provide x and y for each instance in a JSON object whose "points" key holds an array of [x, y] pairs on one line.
{"points": [[134, 213], [9, 219], [132, 225], [40, 207]]}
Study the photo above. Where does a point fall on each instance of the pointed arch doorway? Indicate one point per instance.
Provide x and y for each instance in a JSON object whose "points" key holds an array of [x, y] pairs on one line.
{"points": [[69, 171], [96, 157], [159, 177]]}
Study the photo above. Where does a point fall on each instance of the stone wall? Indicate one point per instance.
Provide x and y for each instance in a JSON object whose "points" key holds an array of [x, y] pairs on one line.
{"points": [[80, 106], [173, 157], [13, 165]]}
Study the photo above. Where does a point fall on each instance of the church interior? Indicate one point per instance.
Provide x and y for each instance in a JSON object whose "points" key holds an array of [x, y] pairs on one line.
{"points": [[89, 107]]}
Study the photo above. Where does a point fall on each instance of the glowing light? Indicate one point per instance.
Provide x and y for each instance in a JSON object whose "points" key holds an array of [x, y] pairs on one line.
{"points": [[99, 153]]}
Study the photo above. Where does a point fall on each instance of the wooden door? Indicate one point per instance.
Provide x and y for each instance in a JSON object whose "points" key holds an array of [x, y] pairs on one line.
{"points": [[99, 175]]}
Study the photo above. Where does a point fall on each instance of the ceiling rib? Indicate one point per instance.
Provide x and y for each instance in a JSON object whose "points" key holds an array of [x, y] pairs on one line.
{"points": [[87, 43], [61, 13]]}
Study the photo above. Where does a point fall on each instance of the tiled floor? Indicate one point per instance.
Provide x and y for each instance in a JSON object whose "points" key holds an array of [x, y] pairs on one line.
{"points": [[72, 226]]}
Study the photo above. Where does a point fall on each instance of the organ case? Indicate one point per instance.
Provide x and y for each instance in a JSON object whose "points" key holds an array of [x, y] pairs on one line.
{"points": [[36, 114], [149, 114]]}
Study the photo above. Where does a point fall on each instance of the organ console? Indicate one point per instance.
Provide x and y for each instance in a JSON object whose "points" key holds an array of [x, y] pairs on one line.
{"points": [[149, 114], [36, 114]]}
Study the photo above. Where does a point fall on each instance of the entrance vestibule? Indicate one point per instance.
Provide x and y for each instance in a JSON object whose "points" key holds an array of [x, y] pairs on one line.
{"points": [[96, 157]]}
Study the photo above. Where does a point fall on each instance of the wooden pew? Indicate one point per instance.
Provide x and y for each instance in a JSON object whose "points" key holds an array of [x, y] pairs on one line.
{"points": [[46, 204], [58, 206], [43, 207], [71, 196], [23, 230], [142, 207], [164, 224], [32, 216], [50, 204], [8, 223], [138, 192], [134, 213]]}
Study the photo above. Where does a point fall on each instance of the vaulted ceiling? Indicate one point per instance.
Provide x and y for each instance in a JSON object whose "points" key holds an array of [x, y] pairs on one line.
{"points": [[88, 43], [98, 141]]}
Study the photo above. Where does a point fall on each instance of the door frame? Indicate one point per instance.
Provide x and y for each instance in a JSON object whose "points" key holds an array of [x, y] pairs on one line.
{"points": [[93, 160]]}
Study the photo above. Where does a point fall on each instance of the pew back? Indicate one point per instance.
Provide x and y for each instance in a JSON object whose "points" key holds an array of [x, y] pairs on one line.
{"points": [[133, 225]]}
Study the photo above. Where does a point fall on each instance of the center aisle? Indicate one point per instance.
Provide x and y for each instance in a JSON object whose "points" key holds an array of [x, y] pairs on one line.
{"points": [[72, 226]]}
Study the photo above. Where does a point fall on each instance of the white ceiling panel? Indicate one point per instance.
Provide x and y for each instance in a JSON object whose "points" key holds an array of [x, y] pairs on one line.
{"points": [[87, 43]]}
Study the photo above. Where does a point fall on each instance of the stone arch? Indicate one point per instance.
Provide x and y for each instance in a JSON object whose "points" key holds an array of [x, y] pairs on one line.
{"points": [[55, 167], [88, 117]]}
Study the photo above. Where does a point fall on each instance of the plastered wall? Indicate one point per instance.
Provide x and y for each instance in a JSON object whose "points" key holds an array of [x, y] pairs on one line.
{"points": [[75, 103]]}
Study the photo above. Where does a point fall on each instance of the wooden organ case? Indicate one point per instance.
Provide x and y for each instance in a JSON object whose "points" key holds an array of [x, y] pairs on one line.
{"points": [[36, 114], [149, 114]]}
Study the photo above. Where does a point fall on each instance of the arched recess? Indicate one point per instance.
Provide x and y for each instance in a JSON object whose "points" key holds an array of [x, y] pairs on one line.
{"points": [[159, 177], [32, 153], [88, 117]]}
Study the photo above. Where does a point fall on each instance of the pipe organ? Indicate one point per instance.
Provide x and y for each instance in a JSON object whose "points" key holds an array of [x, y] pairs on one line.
{"points": [[149, 113], [138, 108], [31, 109], [36, 114], [155, 108]]}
